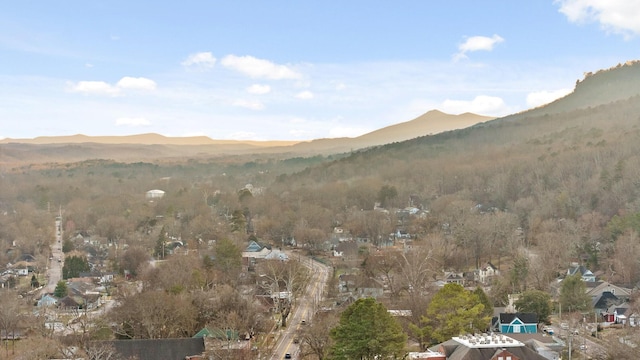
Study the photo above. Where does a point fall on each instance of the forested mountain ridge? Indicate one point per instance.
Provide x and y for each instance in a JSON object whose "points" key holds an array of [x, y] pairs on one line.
{"points": [[603, 110], [568, 174]]}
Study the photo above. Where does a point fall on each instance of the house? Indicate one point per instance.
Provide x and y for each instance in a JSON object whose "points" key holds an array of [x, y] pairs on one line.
{"points": [[346, 250], [218, 334], [602, 303], [454, 278], [548, 346], [486, 273], [621, 313], [486, 347], [597, 288], [585, 273], [255, 251], [152, 349], [369, 289], [47, 300], [277, 255], [68, 303], [154, 194], [517, 323], [347, 282], [339, 235]]}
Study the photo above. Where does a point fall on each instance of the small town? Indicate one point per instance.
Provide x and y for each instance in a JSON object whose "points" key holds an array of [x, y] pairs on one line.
{"points": [[336, 180]]}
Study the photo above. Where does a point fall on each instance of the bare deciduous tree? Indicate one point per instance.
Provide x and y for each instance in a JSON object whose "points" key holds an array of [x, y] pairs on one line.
{"points": [[10, 316], [282, 280]]}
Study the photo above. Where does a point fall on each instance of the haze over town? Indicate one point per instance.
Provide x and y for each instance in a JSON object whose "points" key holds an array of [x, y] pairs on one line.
{"points": [[293, 71]]}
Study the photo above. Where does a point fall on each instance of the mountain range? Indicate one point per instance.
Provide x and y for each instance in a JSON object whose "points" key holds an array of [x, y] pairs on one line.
{"points": [[597, 88]]}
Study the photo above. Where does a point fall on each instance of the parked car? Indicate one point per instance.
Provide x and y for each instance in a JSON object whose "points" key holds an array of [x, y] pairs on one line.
{"points": [[548, 330]]}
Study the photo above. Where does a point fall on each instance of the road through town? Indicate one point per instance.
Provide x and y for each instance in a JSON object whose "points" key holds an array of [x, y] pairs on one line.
{"points": [[303, 309], [54, 271]]}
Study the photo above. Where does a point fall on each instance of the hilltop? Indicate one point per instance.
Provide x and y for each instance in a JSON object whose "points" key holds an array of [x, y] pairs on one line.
{"points": [[155, 147]]}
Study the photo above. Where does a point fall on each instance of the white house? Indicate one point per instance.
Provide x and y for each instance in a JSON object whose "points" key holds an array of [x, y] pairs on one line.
{"points": [[486, 272], [154, 194]]}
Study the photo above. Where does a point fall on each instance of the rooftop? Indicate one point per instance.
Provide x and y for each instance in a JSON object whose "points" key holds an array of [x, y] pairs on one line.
{"points": [[477, 341]]}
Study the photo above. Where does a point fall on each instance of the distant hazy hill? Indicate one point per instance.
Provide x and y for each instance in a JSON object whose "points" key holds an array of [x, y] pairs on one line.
{"points": [[432, 122], [142, 139], [155, 146]]}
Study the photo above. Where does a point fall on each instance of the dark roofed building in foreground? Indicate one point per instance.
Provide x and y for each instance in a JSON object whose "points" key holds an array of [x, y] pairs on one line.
{"points": [[155, 349], [486, 347]]}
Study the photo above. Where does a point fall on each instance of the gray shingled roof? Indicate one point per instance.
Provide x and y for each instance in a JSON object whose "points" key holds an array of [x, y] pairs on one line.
{"points": [[154, 349]]}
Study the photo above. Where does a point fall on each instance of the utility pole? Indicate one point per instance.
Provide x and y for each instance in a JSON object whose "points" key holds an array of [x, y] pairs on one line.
{"points": [[560, 311], [570, 341]]}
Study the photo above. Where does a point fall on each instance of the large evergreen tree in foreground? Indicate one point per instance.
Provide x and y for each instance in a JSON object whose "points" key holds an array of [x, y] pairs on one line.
{"points": [[453, 311], [367, 331]]}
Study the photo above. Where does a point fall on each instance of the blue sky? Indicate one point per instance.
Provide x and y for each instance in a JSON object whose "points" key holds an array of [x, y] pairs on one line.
{"points": [[292, 70]]}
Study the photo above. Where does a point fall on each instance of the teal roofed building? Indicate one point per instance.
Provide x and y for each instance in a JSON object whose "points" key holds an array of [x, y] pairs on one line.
{"points": [[218, 334]]}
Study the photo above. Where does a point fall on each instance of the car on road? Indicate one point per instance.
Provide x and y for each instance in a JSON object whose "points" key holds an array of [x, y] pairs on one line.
{"points": [[583, 347], [287, 356]]}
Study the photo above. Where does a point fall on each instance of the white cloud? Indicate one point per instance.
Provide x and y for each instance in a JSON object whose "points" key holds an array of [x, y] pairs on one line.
{"points": [[481, 105], [104, 88], [253, 105], [88, 65], [140, 83], [305, 95], [201, 60], [132, 122], [477, 43], [259, 68], [94, 87], [538, 98], [616, 16], [259, 89]]}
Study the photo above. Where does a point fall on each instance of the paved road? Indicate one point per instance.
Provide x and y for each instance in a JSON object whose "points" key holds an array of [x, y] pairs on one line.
{"points": [[582, 343], [54, 273], [303, 309]]}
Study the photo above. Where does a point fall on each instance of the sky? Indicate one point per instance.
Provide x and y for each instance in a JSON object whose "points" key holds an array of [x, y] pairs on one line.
{"points": [[293, 70]]}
